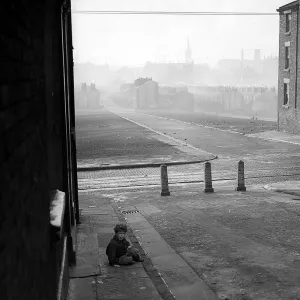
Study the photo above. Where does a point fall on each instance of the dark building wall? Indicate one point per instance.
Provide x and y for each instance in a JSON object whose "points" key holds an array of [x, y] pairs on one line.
{"points": [[54, 94], [32, 145], [289, 115]]}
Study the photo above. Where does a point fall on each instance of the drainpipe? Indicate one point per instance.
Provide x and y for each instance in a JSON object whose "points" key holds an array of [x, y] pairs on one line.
{"points": [[67, 13], [72, 111], [297, 38], [68, 180], [278, 100]]}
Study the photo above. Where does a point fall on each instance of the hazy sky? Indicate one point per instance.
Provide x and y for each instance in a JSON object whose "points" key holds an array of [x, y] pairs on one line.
{"points": [[135, 39]]}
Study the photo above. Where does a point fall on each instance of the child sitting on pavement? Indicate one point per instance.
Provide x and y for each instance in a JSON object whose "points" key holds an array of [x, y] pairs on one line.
{"points": [[119, 251]]}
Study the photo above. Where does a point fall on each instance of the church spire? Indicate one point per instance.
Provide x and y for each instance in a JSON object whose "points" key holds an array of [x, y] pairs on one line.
{"points": [[188, 52]]}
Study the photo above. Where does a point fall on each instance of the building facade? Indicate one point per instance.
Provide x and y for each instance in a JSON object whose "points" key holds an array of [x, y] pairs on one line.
{"points": [[146, 95], [288, 72], [37, 150]]}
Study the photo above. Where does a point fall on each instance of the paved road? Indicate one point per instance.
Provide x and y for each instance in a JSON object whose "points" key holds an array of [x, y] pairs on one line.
{"points": [[241, 244], [222, 143], [104, 139], [243, 124], [265, 161]]}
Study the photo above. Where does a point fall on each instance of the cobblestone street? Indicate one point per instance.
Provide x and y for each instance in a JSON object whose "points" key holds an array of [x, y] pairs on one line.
{"points": [[265, 162], [257, 170], [243, 246]]}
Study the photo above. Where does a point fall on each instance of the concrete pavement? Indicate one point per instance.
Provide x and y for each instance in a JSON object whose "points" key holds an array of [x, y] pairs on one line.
{"points": [[195, 245], [162, 275], [92, 278], [178, 276], [242, 245]]}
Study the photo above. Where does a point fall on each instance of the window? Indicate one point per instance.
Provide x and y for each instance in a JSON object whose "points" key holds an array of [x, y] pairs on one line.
{"points": [[288, 18], [286, 88], [287, 57]]}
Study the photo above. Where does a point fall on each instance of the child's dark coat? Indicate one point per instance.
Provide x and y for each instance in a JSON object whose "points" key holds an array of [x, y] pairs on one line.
{"points": [[115, 249]]}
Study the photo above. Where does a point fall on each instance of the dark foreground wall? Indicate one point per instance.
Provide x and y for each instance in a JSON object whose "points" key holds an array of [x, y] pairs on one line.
{"points": [[32, 145]]}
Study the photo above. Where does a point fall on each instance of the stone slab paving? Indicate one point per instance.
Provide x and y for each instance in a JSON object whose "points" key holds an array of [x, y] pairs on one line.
{"points": [[92, 278], [243, 245], [180, 278]]}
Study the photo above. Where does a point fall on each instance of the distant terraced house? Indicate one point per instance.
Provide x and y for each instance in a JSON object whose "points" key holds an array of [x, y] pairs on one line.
{"points": [[146, 93], [289, 73]]}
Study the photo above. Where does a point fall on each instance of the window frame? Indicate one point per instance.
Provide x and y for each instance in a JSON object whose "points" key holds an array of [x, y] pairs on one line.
{"points": [[288, 22], [286, 92], [287, 58]]}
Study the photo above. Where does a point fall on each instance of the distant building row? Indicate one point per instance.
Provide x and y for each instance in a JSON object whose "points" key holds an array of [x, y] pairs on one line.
{"points": [[145, 93], [87, 97]]}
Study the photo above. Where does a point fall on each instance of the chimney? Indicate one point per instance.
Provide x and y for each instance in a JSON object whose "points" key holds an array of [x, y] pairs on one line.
{"points": [[257, 55]]}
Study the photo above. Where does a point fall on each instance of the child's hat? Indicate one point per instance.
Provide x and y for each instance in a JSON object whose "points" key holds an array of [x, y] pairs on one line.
{"points": [[120, 228]]}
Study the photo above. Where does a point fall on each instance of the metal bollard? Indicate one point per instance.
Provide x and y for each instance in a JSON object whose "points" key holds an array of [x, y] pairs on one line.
{"points": [[241, 177], [207, 178], [164, 181]]}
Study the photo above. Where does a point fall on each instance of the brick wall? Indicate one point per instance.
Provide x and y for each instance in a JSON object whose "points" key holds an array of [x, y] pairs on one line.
{"points": [[289, 116], [30, 130], [54, 95]]}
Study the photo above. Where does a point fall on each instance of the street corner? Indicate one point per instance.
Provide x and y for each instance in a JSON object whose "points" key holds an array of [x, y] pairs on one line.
{"points": [[276, 136], [264, 135], [288, 187]]}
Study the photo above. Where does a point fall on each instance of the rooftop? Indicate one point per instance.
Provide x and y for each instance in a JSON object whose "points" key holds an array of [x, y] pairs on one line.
{"points": [[288, 6]]}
